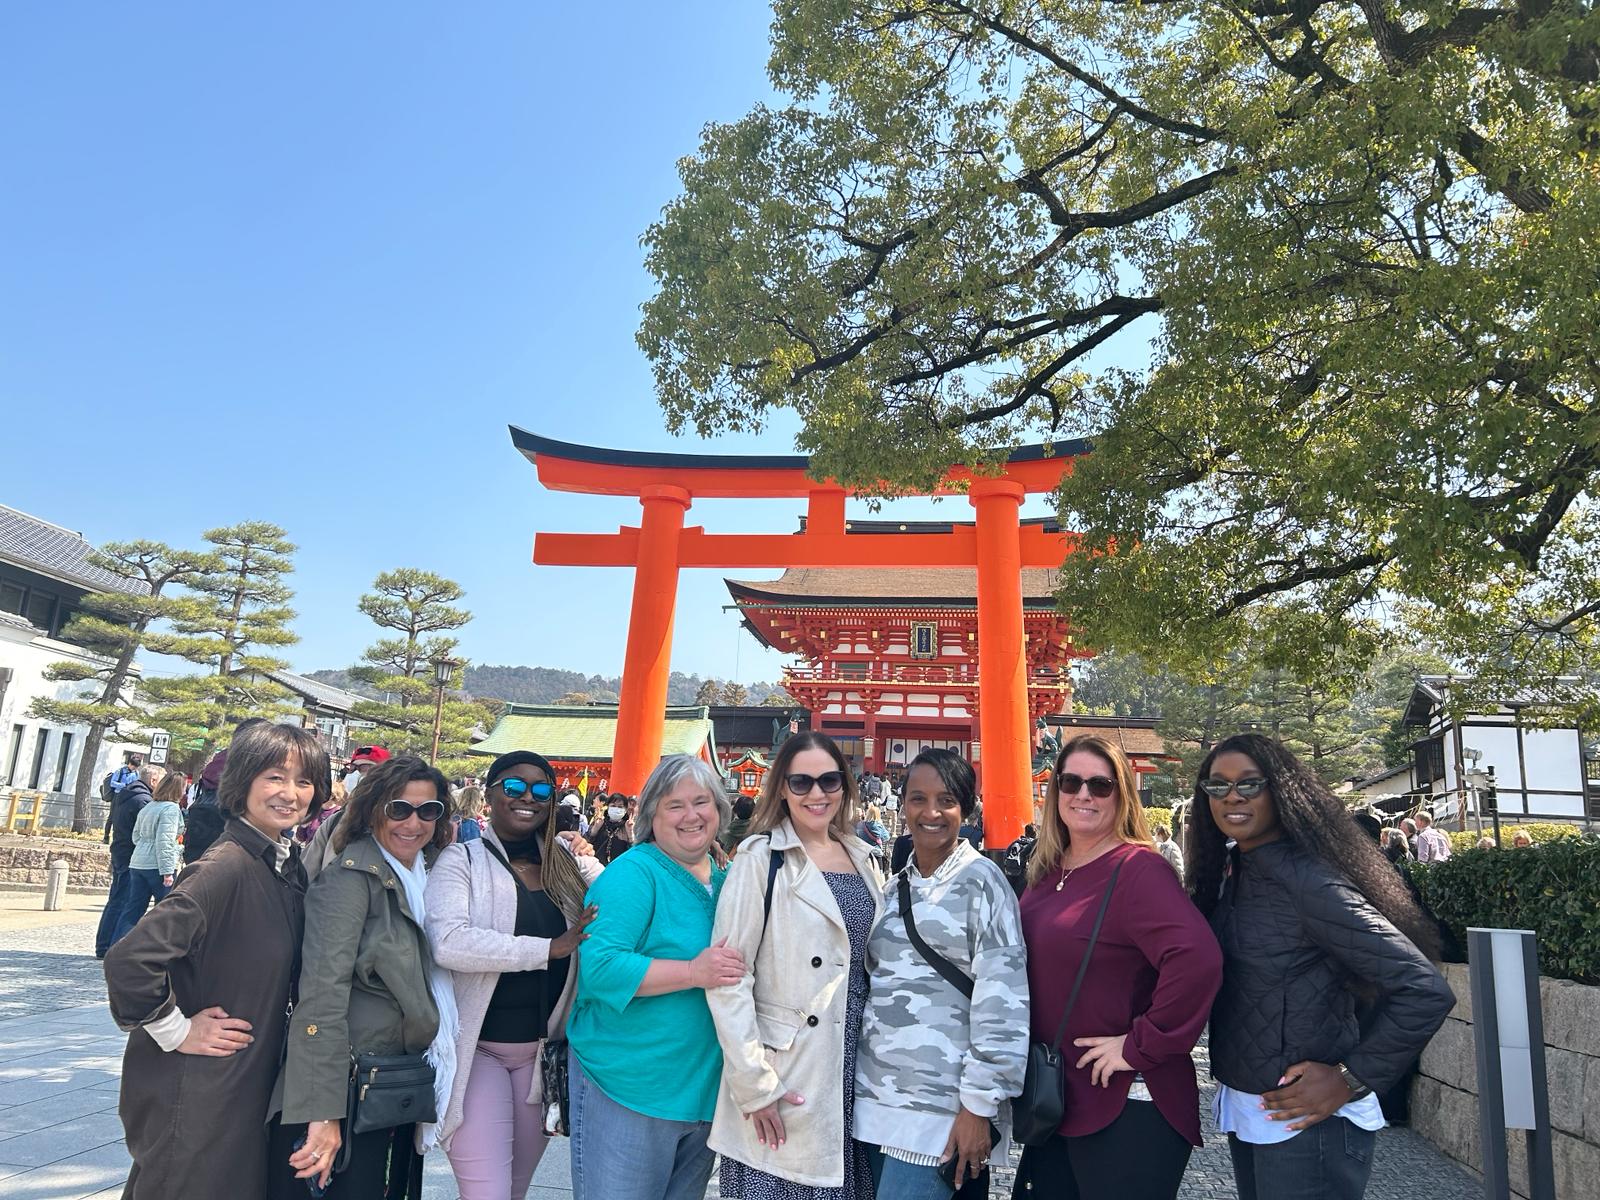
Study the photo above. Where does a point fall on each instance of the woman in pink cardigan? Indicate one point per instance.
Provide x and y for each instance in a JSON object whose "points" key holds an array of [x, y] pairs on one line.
{"points": [[505, 914]]}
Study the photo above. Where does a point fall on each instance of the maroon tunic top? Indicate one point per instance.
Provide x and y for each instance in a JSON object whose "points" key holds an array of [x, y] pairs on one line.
{"points": [[1155, 970]]}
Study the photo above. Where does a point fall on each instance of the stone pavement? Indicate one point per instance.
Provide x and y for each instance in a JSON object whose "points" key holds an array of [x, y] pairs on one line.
{"points": [[61, 1058]]}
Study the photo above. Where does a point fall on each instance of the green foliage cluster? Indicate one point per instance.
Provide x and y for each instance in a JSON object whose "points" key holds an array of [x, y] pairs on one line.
{"points": [[1348, 249], [1552, 889], [1540, 831]]}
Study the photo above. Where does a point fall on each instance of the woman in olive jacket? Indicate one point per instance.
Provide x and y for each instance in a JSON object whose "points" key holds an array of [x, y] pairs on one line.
{"points": [[368, 985], [203, 980]]}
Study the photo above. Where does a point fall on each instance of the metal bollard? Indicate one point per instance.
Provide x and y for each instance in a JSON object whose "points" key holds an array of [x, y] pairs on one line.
{"points": [[55, 886]]}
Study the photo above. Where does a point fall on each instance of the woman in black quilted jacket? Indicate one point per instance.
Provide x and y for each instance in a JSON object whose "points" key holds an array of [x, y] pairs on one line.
{"points": [[1310, 917]]}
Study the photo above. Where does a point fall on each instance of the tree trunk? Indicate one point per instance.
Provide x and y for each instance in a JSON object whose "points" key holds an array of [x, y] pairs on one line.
{"points": [[86, 778]]}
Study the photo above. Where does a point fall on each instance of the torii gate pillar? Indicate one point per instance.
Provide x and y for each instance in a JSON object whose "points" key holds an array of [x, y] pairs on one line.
{"points": [[1003, 725]]}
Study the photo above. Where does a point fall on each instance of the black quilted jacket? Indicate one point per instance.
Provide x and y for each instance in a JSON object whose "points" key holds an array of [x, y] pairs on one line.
{"points": [[1294, 934]]}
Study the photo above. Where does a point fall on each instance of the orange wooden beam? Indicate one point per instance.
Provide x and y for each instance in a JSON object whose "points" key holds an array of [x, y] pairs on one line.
{"points": [[697, 548]]}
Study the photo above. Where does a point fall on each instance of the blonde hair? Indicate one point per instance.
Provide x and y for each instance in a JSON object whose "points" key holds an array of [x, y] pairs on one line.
{"points": [[1129, 825], [469, 801], [772, 806], [872, 813]]}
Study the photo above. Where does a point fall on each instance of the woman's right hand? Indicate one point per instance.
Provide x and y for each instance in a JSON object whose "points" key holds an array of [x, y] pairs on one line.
{"points": [[213, 1032], [574, 937], [769, 1125], [716, 966]]}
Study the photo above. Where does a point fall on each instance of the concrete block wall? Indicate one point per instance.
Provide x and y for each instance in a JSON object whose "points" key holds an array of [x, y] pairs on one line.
{"points": [[28, 864], [1444, 1098]]}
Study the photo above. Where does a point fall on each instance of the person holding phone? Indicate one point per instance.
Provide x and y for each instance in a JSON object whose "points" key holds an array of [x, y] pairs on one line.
{"points": [[944, 1044]]}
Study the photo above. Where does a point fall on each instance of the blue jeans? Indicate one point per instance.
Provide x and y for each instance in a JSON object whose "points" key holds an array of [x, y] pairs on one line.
{"points": [[896, 1180], [143, 886], [619, 1154], [1332, 1160]]}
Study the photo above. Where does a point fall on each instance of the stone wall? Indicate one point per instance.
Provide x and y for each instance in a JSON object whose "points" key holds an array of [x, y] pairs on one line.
{"points": [[25, 861], [1444, 1098]]}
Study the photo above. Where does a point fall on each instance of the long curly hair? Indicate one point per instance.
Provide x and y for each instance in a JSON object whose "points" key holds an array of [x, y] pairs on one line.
{"points": [[1314, 818]]}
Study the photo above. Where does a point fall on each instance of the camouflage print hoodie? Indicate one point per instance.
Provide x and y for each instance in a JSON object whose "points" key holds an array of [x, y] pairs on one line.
{"points": [[925, 1050]]}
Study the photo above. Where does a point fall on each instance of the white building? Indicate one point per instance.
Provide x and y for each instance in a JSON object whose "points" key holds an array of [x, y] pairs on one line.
{"points": [[44, 574], [1538, 772]]}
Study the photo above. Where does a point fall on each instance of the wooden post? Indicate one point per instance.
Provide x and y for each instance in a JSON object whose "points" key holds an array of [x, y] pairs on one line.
{"points": [[641, 711], [1002, 663]]}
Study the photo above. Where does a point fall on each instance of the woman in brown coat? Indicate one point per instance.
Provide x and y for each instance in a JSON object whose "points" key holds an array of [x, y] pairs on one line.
{"points": [[204, 980]]}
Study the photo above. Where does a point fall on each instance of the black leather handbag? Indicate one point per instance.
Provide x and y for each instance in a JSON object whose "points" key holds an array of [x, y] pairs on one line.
{"points": [[388, 1090], [1038, 1112]]}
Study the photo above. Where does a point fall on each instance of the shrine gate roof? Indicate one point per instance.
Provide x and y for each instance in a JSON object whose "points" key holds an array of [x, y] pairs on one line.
{"points": [[910, 586], [587, 733]]}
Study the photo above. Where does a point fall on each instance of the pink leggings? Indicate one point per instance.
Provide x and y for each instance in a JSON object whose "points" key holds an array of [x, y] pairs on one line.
{"points": [[501, 1138]]}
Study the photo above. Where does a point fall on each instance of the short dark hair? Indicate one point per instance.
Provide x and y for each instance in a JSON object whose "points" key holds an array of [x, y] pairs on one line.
{"points": [[743, 807], [384, 783], [955, 772], [265, 746]]}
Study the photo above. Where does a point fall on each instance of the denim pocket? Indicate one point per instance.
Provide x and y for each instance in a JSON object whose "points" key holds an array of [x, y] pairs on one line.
{"points": [[1358, 1142]]}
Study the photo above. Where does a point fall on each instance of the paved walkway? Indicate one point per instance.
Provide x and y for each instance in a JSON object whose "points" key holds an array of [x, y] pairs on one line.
{"points": [[61, 1058]]}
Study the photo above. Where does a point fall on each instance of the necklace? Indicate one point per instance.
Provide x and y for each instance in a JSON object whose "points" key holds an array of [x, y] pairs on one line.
{"points": [[1065, 871]]}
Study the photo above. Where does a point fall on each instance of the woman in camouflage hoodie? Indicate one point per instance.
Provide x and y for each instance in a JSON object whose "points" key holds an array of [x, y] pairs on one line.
{"points": [[939, 1060]]}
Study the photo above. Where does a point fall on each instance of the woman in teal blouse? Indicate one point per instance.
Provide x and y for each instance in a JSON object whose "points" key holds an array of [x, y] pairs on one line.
{"points": [[645, 1063]]}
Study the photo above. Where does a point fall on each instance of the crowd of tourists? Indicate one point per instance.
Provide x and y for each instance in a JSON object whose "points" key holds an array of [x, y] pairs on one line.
{"points": [[319, 1002]]}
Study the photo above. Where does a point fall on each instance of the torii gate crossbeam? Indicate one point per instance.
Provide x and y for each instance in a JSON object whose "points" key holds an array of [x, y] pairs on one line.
{"points": [[666, 485]]}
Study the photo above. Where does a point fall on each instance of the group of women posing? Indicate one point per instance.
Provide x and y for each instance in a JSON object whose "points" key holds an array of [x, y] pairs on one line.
{"points": [[829, 1033]]}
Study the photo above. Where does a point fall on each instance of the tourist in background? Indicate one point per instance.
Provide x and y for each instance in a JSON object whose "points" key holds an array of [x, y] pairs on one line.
{"points": [[154, 863], [644, 1061], [319, 851], [129, 798], [1132, 1103], [744, 807], [204, 818], [1169, 848], [1308, 913], [505, 917], [1520, 839], [613, 832], [307, 832], [1395, 846], [204, 979], [871, 829], [789, 1026], [1432, 846], [469, 813], [368, 985], [939, 1062]]}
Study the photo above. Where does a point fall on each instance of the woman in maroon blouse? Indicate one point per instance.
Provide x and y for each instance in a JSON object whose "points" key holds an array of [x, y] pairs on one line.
{"points": [[1132, 1105]]}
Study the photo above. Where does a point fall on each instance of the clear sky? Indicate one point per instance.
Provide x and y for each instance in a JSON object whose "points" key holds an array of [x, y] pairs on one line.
{"points": [[305, 262]]}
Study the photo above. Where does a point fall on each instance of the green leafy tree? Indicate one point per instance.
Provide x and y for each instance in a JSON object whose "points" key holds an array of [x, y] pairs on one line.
{"points": [[1355, 243], [418, 606], [778, 698], [245, 613], [116, 626]]}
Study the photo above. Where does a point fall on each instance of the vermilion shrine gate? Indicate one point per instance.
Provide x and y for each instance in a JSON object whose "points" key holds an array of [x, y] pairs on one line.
{"points": [[998, 545]]}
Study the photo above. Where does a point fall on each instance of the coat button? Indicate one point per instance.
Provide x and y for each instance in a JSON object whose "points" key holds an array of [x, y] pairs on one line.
{"points": [[811, 1021], [311, 1031], [816, 962], [349, 862], [388, 883]]}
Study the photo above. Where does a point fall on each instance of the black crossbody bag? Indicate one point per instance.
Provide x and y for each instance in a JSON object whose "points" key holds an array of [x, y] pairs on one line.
{"points": [[1039, 1111], [972, 1189]]}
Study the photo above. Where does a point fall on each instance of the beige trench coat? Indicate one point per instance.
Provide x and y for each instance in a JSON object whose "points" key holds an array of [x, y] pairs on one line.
{"points": [[782, 1027]]}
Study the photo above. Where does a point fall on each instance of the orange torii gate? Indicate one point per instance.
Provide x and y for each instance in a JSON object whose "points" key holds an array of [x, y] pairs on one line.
{"points": [[998, 545]]}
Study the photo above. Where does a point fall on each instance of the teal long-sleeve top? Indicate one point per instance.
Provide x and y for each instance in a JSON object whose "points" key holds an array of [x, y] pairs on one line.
{"points": [[657, 1055]]}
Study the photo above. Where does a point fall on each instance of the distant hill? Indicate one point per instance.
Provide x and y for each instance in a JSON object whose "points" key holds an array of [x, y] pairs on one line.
{"points": [[547, 685]]}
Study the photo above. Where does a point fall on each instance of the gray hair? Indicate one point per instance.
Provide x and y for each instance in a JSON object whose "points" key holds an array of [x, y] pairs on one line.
{"points": [[669, 773], [152, 775]]}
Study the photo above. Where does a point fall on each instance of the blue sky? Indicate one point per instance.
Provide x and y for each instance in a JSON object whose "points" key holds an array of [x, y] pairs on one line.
{"points": [[304, 263]]}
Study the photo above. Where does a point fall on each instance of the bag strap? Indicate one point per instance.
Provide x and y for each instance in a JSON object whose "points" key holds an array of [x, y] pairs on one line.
{"points": [[1083, 967], [953, 974], [492, 849], [774, 864]]}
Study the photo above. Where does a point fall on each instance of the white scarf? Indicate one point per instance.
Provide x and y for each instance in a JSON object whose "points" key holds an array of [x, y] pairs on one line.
{"points": [[441, 1055]]}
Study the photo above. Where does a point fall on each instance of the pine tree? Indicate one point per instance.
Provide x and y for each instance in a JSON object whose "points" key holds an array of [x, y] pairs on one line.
{"points": [[245, 610], [734, 693], [418, 605], [710, 693], [116, 626]]}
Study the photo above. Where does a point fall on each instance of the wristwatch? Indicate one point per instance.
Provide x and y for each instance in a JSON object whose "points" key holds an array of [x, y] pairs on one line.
{"points": [[1357, 1088]]}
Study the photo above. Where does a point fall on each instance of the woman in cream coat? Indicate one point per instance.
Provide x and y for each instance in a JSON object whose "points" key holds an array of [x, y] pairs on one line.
{"points": [[505, 916], [788, 1029]]}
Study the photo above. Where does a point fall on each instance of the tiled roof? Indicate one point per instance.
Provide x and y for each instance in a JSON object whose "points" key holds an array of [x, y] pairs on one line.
{"points": [[59, 553], [18, 621], [956, 585], [587, 733], [1133, 736], [323, 694]]}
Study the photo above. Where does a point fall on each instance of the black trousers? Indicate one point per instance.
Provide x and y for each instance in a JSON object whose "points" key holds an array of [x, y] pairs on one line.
{"points": [[1139, 1156], [384, 1165]]}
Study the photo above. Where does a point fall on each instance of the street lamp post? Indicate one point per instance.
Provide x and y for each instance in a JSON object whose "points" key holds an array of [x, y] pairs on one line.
{"points": [[443, 669]]}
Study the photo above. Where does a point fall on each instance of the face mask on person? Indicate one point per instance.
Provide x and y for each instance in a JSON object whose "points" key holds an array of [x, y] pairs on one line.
{"points": [[350, 781], [615, 813]]}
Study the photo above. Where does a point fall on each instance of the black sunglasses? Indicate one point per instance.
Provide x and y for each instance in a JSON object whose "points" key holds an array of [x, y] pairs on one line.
{"points": [[829, 781], [1248, 789], [401, 810], [1100, 787]]}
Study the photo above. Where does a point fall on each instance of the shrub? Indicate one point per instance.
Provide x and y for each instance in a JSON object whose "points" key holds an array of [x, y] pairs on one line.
{"points": [[1539, 831], [1552, 889], [1155, 815]]}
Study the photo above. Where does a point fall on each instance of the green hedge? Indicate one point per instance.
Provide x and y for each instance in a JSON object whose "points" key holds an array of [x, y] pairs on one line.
{"points": [[1539, 831], [1552, 889]]}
